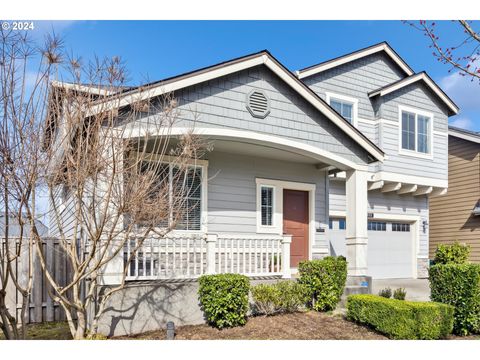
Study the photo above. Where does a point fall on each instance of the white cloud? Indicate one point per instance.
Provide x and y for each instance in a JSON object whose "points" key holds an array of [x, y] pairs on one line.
{"points": [[464, 91], [463, 123]]}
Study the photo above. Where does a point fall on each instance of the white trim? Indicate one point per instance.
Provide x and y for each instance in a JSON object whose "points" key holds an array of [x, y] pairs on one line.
{"points": [[464, 136], [415, 153], [353, 101], [280, 185], [93, 89], [136, 131], [412, 79], [262, 58], [355, 56], [275, 228], [397, 177]]}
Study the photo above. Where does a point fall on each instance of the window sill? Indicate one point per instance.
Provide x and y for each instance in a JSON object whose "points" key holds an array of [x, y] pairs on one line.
{"points": [[416, 154]]}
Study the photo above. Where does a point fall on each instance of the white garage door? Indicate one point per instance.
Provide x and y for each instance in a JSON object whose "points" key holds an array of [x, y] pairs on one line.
{"points": [[390, 249]]}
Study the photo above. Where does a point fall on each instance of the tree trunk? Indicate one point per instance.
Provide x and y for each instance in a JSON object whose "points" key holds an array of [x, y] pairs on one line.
{"points": [[81, 328]]}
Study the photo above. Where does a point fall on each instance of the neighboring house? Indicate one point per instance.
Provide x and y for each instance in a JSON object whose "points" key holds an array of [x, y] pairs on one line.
{"points": [[14, 229], [456, 216], [338, 159]]}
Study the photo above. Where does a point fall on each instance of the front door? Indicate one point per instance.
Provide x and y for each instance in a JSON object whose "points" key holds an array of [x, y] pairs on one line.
{"points": [[295, 223]]}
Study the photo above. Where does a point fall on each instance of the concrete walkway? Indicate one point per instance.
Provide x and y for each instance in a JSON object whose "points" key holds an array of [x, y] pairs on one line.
{"points": [[417, 289]]}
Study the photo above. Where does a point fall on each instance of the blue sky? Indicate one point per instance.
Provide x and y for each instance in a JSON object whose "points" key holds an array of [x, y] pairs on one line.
{"points": [[154, 50]]}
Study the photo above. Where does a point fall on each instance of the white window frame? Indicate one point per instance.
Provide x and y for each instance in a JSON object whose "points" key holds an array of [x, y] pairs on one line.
{"points": [[274, 219], [203, 164], [354, 101], [417, 112]]}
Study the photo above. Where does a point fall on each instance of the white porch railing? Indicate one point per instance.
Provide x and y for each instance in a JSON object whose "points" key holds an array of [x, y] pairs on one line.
{"points": [[189, 256]]}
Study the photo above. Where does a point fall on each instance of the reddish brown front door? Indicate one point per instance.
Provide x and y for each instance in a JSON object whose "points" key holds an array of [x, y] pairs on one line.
{"points": [[295, 223]]}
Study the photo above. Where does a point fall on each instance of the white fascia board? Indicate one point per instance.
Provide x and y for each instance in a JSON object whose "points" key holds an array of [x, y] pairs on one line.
{"points": [[79, 87], [325, 109], [464, 136], [412, 79], [353, 57]]}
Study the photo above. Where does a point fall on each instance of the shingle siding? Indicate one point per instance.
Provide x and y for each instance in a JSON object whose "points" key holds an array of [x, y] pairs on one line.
{"points": [[221, 103]]}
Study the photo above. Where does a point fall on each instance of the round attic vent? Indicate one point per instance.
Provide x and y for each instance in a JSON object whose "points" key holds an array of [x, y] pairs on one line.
{"points": [[258, 104]]}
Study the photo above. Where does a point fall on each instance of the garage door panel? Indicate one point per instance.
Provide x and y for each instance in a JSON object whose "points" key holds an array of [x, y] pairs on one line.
{"points": [[390, 253]]}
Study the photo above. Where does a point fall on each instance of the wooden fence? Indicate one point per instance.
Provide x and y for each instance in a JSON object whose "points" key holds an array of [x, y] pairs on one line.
{"points": [[42, 308]]}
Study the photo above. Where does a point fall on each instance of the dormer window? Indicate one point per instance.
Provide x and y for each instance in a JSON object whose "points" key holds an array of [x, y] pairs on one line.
{"points": [[345, 106]]}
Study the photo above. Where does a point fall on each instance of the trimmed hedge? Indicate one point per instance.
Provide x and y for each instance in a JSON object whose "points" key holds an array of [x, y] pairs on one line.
{"points": [[224, 299], [458, 285], [283, 296], [400, 319], [324, 280], [452, 254]]}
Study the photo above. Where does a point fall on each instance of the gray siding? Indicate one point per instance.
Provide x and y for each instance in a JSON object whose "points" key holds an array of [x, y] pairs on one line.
{"points": [[232, 190], [221, 103], [419, 97], [386, 203]]}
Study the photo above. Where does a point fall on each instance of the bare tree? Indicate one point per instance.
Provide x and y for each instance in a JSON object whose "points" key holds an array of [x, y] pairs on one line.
{"points": [[108, 183], [100, 148], [464, 55], [22, 104]]}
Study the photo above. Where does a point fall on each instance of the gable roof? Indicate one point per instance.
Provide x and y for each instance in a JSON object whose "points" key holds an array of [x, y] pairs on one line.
{"points": [[225, 68], [464, 134], [423, 77], [383, 46]]}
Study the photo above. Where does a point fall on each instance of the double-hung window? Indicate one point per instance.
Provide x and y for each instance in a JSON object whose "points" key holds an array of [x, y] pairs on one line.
{"points": [[345, 106], [266, 205], [415, 132], [180, 191]]}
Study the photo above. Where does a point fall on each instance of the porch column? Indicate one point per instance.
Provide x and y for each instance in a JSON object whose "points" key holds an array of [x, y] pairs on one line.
{"points": [[286, 270], [356, 232]]}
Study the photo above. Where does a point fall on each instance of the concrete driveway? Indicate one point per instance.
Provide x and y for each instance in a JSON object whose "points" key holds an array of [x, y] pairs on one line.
{"points": [[417, 289]]}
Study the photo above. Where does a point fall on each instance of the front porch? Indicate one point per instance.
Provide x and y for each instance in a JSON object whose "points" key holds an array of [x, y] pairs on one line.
{"points": [[236, 232], [191, 255]]}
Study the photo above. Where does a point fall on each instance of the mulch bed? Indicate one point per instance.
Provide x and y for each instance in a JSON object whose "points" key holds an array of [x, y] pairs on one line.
{"points": [[309, 325]]}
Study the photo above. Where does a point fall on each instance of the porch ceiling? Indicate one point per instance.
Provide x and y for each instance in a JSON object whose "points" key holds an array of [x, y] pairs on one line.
{"points": [[251, 148]]}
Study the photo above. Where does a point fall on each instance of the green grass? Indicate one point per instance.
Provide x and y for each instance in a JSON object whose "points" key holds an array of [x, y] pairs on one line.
{"points": [[46, 331]]}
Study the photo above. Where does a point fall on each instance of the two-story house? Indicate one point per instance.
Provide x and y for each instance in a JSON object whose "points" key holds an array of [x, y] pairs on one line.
{"points": [[336, 159]]}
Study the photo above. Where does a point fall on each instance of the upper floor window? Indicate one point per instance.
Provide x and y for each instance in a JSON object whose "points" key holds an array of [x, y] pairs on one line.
{"points": [[415, 132], [345, 106]]}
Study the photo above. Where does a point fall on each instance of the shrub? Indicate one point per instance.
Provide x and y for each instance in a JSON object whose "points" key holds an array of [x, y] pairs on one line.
{"points": [[224, 299], [324, 280], [265, 298], [292, 296], [386, 293], [401, 319], [458, 285], [399, 294], [452, 254], [284, 296]]}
